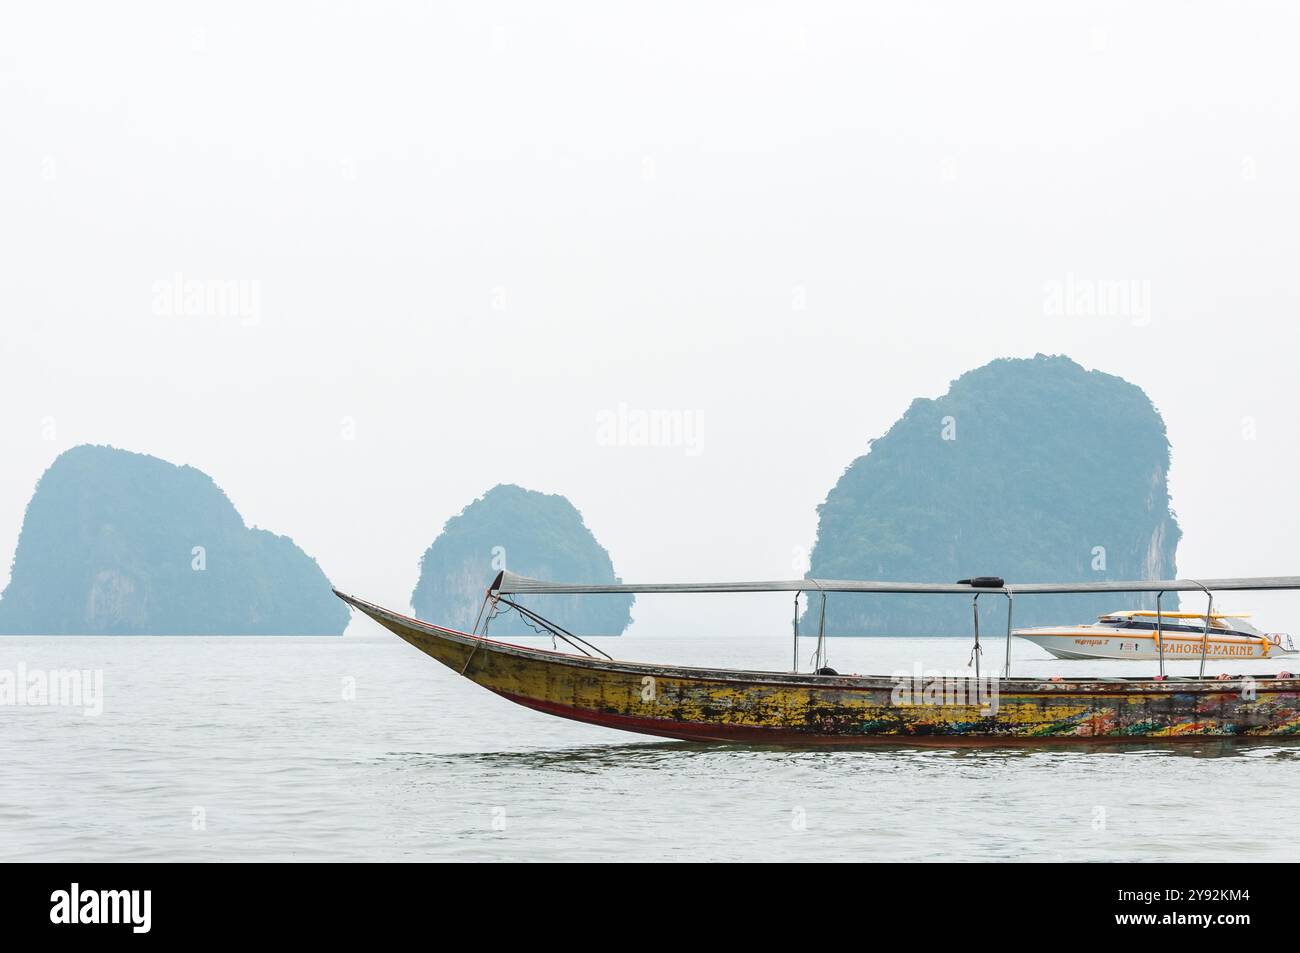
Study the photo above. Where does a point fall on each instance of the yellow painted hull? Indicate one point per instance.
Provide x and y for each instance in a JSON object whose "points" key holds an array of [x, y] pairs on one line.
{"points": [[778, 708]]}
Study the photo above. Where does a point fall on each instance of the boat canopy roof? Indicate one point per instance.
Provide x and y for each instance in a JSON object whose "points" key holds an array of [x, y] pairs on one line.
{"points": [[508, 583]]}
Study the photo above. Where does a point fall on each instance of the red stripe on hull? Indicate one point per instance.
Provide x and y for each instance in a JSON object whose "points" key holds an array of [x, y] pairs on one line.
{"points": [[692, 731]]}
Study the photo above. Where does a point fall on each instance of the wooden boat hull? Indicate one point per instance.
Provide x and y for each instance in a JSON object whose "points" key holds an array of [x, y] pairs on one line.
{"points": [[723, 705]]}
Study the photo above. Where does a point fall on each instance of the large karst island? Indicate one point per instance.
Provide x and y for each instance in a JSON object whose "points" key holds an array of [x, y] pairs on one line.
{"points": [[121, 543], [1034, 469], [532, 534]]}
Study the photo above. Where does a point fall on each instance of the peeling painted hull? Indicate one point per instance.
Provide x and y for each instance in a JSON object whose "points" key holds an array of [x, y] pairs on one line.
{"points": [[726, 705]]}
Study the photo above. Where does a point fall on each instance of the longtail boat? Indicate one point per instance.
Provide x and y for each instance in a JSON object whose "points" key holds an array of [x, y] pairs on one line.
{"points": [[823, 707]]}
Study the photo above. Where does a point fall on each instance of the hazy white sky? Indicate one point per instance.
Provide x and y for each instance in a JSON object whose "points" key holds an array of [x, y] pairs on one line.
{"points": [[462, 232]]}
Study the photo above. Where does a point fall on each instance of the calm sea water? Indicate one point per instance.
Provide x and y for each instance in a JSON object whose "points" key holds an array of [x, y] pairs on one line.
{"points": [[361, 748]]}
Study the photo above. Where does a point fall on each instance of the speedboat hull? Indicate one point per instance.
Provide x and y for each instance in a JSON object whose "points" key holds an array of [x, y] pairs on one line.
{"points": [[1096, 642]]}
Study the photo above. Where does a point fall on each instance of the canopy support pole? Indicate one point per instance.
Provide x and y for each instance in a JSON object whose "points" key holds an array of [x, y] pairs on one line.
{"points": [[1006, 665], [821, 638], [795, 670], [1205, 638], [819, 657], [486, 599], [1160, 637], [494, 599], [976, 651]]}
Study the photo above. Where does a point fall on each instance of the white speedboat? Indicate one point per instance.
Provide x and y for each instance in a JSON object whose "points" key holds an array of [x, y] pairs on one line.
{"points": [[1133, 635]]}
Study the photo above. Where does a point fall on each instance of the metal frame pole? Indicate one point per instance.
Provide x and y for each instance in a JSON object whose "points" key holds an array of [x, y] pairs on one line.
{"points": [[975, 652], [479, 617], [1006, 665], [796, 631], [821, 638], [1205, 639], [1160, 638]]}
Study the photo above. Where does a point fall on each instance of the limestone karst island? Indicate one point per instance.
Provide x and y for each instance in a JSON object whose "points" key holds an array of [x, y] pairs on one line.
{"points": [[529, 533], [1034, 469], [121, 543]]}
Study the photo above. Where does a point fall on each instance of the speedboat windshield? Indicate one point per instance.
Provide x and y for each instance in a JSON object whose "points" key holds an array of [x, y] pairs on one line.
{"points": [[1183, 622]]}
